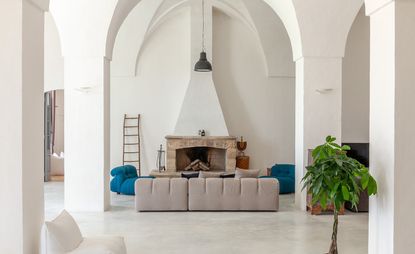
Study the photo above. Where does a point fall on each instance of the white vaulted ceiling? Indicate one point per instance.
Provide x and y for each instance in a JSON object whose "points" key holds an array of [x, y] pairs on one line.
{"points": [[255, 14]]}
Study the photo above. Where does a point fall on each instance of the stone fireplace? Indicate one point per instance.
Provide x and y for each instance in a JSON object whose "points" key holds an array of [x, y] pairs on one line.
{"points": [[218, 152]]}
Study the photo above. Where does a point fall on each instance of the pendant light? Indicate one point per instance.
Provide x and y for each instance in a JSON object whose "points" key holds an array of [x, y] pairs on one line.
{"points": [[203, 64]]}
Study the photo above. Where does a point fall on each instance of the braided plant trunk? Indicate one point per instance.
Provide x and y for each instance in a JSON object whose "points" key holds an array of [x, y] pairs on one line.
{"points": [[333, 246]]}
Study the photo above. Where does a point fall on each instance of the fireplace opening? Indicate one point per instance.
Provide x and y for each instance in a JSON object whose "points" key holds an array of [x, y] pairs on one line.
{"points": [[201, 158]]}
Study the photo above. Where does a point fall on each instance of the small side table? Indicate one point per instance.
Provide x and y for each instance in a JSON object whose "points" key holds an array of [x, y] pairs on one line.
{"points": [[242, 162]]}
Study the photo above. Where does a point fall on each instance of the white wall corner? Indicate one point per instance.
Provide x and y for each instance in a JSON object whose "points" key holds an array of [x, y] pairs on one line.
{"points": [[372, 6]]}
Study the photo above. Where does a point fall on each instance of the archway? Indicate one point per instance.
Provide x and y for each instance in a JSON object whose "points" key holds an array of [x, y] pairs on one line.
{"points": [[21, 106], [124, 66]]}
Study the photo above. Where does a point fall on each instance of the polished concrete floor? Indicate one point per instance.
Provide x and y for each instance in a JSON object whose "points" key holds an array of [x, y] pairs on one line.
{"points": [[288, 231]]}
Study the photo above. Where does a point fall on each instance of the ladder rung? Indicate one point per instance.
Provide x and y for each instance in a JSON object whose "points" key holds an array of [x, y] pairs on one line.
{"points": [[131, 126], [131, 161], [130, 118], [131, 144], [132, 152], [131, 135]]}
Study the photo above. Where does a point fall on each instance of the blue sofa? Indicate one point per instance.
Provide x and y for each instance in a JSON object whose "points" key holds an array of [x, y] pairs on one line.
{"points": [[285, 173], [124, 178]]}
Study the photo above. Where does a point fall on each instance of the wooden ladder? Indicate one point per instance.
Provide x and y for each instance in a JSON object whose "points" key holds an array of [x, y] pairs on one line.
{"points": [[131, 142]]}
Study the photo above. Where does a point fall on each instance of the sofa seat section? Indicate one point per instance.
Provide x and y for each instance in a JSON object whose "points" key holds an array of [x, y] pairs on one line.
{"points": [[246, 194], [161, 194]]}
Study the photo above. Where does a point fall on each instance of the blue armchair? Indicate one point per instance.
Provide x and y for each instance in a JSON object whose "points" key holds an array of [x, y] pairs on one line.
{"points": [[123, 180], [285, 173]]}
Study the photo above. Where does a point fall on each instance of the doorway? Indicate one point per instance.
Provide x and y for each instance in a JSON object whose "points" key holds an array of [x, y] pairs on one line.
{"points": [[54, 136]]}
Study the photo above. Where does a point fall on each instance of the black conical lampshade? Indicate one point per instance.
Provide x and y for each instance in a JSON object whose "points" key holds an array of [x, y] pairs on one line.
{"points": [[203, 64]]}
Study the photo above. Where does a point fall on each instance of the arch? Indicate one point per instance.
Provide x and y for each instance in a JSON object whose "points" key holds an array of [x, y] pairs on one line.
{"points": [[354, 17], [53, 62], [122, 9], [267, 22], [287, 13], [356, 82], [324, 30]]}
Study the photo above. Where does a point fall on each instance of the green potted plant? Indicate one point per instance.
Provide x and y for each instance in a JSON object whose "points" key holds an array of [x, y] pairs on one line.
{"points": [[335, 178]]}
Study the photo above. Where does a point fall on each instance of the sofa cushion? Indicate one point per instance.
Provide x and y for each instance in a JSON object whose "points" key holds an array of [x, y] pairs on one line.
{"points": [[246, 173], [101, 245], [248, 194], [161, 194], [204, 174], [63, 233]]}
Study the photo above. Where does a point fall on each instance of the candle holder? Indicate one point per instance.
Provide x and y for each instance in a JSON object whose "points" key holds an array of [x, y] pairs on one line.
{"points": [[241, 145]]}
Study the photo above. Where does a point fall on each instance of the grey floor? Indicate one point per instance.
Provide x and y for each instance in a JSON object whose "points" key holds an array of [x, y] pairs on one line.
{"points": [[288, 231]]}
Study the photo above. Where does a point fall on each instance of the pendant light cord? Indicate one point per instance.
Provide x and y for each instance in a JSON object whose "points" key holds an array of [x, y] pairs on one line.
{"points": [[203, 25]]}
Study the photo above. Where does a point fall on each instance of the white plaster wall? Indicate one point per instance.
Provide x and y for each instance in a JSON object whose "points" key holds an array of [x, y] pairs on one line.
{"points": [[318, 113], [33, 125], [21, 129], [404, 127], [356, 82], [86, 139], [201, 108], [11, 231], [53, 56], [157, 91], [382, 129], [255, 106]]}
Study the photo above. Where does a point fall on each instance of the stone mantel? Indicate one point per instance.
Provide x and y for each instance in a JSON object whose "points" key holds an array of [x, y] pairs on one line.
{"points": [[227, 143], [202, 138]]}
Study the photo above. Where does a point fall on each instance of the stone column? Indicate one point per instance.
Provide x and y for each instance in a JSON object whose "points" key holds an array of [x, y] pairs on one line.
{"points": [[392, 125], [318, 110], [87, 133], [21, 128]]}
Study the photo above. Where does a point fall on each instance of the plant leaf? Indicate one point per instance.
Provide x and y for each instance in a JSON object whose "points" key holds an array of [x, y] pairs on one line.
{"points": [[372, 187], [345, 192], [334, 190], [365, 180], [346, 148], [339, 162], [323, 200]]}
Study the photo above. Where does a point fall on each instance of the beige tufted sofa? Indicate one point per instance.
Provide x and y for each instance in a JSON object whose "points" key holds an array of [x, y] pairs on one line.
{"points": [[210, 194]]}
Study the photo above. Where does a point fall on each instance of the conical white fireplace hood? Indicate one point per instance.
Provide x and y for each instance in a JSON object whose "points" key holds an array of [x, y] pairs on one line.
{"points": [[201, 107]]}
